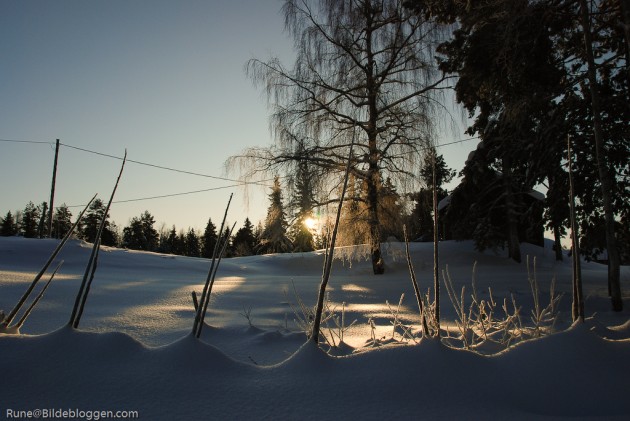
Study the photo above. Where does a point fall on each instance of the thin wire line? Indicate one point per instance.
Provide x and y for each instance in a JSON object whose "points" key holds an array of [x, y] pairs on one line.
{"points": [[456, 141], [167, 168], [26, 141], [166, 195], [240, 183]]}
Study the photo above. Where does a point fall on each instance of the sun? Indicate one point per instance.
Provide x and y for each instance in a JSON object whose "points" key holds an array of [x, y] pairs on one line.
{"points": [[310, 223]]}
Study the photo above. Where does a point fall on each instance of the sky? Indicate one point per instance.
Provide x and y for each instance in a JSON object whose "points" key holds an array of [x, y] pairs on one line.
{"points": [[163, 80]]}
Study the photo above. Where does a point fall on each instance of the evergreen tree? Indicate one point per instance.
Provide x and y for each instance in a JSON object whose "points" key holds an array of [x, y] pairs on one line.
{"points": [[301, 235], [150, 233], [42, 228], [133, 237], [30, 221], [244, 241], [209, 240], [8, 227], [180, 242], [140, 234], [303, 202], [114, 235], [169, 242], [192, 245], [274, 236], [18, 221], [421, 219], [229, 248], [258, 231], [91, 222], [62, 221], [303, 197], [162, 247], [534, 73]]}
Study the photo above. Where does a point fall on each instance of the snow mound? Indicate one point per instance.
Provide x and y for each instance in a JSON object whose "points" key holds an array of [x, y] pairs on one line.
{"points": [[269, 371]]}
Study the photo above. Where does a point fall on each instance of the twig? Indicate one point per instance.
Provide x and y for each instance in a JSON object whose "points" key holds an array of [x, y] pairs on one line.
{"points": [[416, 287], [81, 298], [20, 323], [204, 294], [329, 255], [214, 274], [8, 319]]}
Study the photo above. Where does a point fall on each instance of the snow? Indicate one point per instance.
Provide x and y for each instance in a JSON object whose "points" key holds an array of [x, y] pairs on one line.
{"points": [[444, 202], [537, 195], [134, 350]]}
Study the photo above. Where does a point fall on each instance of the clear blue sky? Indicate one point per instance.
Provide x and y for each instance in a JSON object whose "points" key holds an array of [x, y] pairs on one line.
{"points": [[163, 79]]}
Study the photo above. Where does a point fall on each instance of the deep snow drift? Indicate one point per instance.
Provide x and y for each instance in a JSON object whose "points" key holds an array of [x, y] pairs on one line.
{"points": [[133, 350]]}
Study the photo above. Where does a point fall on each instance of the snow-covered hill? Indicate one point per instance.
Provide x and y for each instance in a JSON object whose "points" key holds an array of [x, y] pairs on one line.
{"points": [[133, 351]]}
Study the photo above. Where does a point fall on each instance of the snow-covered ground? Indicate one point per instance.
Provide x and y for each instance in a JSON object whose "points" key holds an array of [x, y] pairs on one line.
{"points": [[133, 351]]}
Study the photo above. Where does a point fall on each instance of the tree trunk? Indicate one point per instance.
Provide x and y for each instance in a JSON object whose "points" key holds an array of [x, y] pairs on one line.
{"points": [[605, 178], [625, 22], [577, 309], [378, 265], [373, 177], [557, 242], [514, 246]]}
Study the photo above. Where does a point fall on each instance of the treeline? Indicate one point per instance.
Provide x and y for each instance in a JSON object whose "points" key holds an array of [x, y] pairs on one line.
{"points": [[290, 225], [139, 234]]}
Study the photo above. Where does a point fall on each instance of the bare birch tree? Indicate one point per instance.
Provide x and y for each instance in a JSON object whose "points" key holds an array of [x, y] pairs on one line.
{"points": [[365, 64]]}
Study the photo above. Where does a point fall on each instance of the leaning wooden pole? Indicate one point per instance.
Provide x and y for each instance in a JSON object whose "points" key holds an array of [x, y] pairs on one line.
{"points": [[88, 285], [204, 293], [436, 244], [28, 311], [82, 295], [416, 287], [212, 278], [54, 254], [329, 256], [52, 191]]}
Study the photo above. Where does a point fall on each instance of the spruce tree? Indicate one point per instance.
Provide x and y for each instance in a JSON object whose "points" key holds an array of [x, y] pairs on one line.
{"points": [[180, 242], [113, 236], [62, 221], [43, 214], [421, 224], [192, 244], [209, 240], [151, 235], [140, 234], [274, 236], [168, 242], [8, 227], [244, 241], [301, 235], [30, 221], [302, 203], [133, 235], [91, 222]]}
